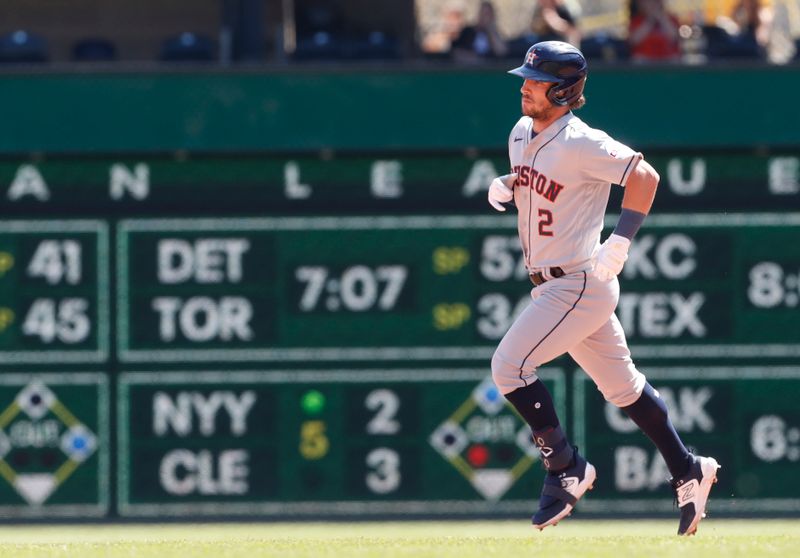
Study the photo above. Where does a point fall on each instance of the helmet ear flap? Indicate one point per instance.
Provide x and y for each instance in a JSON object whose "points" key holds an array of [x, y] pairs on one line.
{"points": [[563, 94]]}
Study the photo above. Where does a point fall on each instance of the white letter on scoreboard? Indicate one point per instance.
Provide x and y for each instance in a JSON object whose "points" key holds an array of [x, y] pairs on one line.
{"points": [[28, 182], [174, 260], [168, 413], [386, 179], [479, 178], [294, 189], [167, 307], [136, 182]]}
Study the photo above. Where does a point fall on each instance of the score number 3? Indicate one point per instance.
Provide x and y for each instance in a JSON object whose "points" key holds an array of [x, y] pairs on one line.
{"points": [[384, 463]]}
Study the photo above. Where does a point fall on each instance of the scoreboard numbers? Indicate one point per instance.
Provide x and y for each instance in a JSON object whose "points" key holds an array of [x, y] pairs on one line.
{"points": [[258, 298], [54, 291]]}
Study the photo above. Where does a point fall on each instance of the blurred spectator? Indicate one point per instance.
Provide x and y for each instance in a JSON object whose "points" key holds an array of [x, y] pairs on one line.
{"points": [[746, 29], [481, 40], [554, 21], [446, 30], [653, 32]]}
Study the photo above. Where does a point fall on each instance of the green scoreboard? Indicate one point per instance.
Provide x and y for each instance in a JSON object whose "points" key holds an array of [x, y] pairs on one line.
{"points": [[323, 442], [434, 288], [312, 336], [747, 417]]}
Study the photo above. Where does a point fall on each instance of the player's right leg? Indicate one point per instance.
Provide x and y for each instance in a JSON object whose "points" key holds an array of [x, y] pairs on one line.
{"points": [[562, 312], [605, 357], [568, 475]]}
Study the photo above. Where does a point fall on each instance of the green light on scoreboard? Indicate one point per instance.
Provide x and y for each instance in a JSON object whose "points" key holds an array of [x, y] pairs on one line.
{"points": [[313, 402]]}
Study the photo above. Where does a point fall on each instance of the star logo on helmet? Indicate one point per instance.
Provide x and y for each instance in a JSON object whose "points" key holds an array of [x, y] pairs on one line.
{"points": [[530, 58]]}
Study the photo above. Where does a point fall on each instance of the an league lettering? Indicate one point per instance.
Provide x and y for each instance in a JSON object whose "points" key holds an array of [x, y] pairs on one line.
{"points": [[564, 170]]}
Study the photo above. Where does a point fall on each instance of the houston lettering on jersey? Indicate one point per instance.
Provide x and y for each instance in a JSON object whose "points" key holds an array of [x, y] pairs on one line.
{"points": [[528, 177]]}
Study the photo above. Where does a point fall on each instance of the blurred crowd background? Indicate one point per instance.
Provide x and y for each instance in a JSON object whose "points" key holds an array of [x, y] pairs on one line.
{"points": [[461, 31]]}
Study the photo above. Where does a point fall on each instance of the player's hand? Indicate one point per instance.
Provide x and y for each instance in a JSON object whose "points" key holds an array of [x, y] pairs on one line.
{"points": [[611, 257], [501, 190]]}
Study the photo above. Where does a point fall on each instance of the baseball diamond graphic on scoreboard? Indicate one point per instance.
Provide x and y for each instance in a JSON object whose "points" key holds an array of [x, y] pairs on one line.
{"points": [[53, 445], [486, 441], [302, 442]]}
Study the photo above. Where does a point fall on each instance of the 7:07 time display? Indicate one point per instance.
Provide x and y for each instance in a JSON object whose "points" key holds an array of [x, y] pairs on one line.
{"points": [[357, 288]]}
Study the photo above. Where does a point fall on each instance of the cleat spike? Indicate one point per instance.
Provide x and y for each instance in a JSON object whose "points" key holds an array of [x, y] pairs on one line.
{"points": [[559, 490]]}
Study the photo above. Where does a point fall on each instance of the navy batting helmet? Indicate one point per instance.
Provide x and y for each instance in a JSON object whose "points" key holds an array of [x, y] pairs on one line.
{"points": [[559, 63]]}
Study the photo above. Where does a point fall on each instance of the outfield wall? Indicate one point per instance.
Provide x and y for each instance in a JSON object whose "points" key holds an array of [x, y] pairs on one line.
{"points": [[240, 294]]}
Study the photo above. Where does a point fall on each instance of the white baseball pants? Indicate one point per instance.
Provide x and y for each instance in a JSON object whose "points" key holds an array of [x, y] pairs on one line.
{"points": [[572, 314]]}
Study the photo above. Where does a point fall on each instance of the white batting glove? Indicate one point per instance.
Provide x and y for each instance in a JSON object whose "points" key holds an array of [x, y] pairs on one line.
{"points": [[501, 190], [611, 257]]}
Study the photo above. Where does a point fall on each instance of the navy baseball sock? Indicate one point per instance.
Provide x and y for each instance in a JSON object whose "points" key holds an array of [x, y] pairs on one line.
{"points": [[650, 414], [536, 406]]}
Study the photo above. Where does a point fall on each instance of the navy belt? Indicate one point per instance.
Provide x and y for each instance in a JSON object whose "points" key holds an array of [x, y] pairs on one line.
{"points": [[538, 278]]}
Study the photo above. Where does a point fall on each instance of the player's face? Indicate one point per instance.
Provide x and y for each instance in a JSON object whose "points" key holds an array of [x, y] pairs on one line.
{"points": [[534, 99]]}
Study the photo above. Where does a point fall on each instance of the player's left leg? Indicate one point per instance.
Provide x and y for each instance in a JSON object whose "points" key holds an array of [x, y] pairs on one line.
{"points": [[605, 357]]}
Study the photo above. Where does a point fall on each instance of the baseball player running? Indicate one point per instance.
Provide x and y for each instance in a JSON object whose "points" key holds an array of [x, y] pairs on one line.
{"points": [[562, 171]]}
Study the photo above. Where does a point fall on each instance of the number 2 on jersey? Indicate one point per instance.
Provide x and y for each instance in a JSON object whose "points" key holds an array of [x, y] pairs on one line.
{"points": [[545, 220]]}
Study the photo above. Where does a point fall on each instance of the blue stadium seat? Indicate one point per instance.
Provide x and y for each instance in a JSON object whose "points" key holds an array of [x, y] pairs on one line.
{"points": [[94, 50], [187, 47], [320, 45], [374, 45], [22, 47]]}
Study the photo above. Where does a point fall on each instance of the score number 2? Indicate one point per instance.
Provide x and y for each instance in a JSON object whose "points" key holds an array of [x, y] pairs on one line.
{"points": [[384, 463]]}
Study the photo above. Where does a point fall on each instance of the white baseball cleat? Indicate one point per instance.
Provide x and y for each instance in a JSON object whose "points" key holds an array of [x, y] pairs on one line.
{"points": [[691, 492], [562, 491]]}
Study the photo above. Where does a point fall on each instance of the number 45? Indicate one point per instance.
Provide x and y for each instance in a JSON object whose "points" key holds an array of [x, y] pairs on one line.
{"points": [[65, 320]]}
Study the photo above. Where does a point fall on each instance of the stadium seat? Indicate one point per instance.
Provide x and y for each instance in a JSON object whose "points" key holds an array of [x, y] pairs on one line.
{"points": [[94, 50], [321, 45], [22, 47], [187, 47], [375, 45]]}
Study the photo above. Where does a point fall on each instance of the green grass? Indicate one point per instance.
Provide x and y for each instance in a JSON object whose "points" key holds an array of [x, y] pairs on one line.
{"points": [[436, 539]]}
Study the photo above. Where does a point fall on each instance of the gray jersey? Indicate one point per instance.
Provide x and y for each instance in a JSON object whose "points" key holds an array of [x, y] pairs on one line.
{"points": [[564, 178]]}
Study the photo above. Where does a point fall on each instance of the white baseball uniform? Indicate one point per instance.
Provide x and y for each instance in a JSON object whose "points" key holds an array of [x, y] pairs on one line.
{"points": [[564, 176]]}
